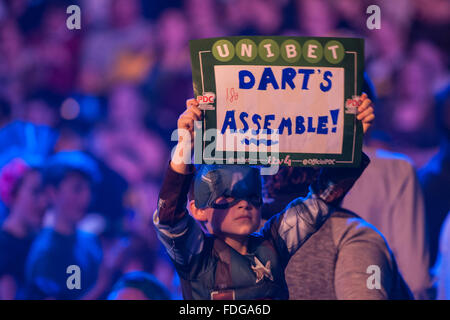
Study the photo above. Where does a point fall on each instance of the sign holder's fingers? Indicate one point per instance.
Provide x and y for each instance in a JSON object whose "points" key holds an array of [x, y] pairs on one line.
{"points": [[366, 104], [191, 102], [365, 113], [369, 119], [197, 111], [187, 121]]}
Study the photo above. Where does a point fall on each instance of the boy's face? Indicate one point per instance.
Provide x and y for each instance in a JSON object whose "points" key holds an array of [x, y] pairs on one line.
{"points": [[228, 199], [72, 196], [242, 219]]}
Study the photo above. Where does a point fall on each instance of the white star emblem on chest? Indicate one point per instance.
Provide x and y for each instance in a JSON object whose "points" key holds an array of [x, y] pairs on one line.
{"points": [[262, 271]]}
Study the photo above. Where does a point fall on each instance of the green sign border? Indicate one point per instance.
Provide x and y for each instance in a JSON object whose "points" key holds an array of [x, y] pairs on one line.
{"points": [[203, 77]]}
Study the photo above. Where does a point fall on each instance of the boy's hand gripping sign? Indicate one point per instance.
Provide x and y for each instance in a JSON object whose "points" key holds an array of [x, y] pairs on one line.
{"points": [[278, 100]]}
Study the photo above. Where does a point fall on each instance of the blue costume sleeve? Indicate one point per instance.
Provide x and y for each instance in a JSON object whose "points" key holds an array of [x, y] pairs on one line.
{"points": [[289, 229], [182, 240], [180, 234]]}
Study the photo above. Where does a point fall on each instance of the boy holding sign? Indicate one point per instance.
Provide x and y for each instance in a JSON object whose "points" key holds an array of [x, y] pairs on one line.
{"points": [[232, 261]]}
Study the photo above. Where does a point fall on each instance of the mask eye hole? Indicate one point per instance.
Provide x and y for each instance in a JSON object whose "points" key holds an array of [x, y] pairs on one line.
{"points": [[224, 200]]}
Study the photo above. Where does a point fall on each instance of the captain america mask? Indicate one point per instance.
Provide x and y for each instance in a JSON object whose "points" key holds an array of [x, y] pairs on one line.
{"points": [[222, 186]]}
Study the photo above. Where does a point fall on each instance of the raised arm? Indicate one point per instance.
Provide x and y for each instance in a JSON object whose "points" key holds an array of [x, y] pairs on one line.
{"points": [[177, 230]]}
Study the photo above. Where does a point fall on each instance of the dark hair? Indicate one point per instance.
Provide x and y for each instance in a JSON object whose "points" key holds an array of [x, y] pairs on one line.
{"points": [[145, 282], [62, 164], [51, 98], [17, 186], [54, 177], [12, 176], [290, 180]]}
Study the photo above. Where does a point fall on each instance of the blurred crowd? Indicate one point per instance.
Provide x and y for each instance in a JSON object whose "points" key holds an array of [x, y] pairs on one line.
{"points": [[110, 94]]}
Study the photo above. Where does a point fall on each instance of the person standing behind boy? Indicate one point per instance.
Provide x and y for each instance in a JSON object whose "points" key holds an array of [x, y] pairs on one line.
{"points": [[396, 209], [234, 262], [347, 258], [61, 250]]}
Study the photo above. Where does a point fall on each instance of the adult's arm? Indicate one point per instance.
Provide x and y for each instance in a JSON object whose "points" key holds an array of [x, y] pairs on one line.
{"points": [[365, 267]]}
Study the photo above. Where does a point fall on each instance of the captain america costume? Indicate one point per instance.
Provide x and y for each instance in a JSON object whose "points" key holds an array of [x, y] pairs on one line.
{"points": [[211, 269]]}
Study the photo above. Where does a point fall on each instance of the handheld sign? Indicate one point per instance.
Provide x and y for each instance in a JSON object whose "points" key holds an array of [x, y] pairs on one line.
{"points": [[279, 100]]}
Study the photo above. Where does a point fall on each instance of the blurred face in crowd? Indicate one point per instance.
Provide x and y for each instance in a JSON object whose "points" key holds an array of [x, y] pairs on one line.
{"points": [[203, 17], [10, 40], [413, 108], [53, 19], [29, 200], [315, 17], [267, 16], [389, 40], [126, 106], [125, 12], [430, 55], [173, 30], [433, 11], [240, 220], [414, 82], [72, 197]]}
